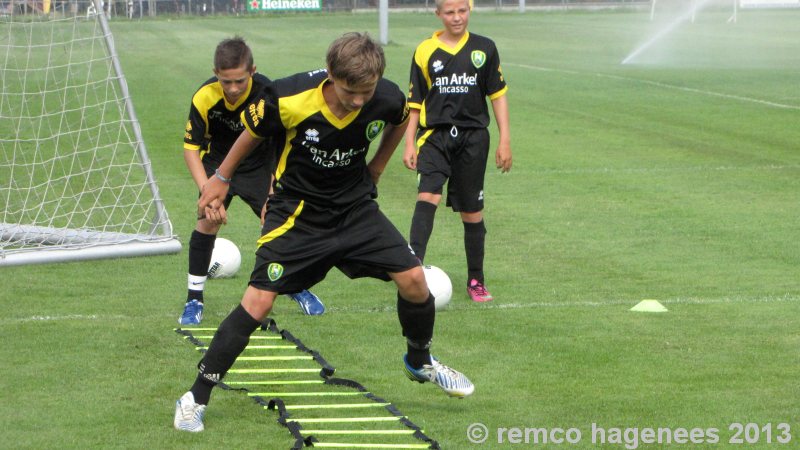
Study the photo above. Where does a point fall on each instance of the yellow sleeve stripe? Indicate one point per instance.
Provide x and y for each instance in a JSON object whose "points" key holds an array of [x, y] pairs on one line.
{"points": [[243, 119], [499, 93], [281, 230], [252, 133], [192, 147]]}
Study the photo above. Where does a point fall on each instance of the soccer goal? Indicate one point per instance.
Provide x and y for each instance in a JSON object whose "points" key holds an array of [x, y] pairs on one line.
{"points": [[75, 179]]}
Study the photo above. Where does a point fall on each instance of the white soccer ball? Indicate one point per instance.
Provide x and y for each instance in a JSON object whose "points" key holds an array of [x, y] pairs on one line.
{"points": [[439, 285], [225, 259]]}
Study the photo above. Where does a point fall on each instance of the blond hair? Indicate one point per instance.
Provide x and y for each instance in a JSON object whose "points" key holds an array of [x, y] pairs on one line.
{"points": [[439, 4]]}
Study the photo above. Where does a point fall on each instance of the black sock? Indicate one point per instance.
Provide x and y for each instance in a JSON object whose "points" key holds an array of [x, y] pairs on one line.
{"points": [[421, 227], [201, 246], [201, 389], [228, 343], [416, 320], [474, 243]]}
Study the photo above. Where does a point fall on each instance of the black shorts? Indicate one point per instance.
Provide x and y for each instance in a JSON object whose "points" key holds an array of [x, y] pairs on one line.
{"points": [[457, 155], [251, 186], [301, 242]]}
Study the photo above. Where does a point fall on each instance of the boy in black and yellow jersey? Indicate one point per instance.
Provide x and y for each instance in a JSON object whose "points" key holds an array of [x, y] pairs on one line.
{"points": [[452, 73], [213, 126], [322, 213]]}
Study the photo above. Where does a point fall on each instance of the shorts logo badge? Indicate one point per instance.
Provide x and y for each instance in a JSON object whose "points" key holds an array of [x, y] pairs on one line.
{"points": [[478, 58], [274, 271], [374, 129]]}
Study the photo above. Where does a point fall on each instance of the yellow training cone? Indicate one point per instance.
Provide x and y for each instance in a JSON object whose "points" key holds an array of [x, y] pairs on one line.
{"points": [[649, 306]]}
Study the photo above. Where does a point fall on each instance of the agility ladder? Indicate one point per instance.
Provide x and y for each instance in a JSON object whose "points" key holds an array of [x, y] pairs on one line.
{"points": [[272, 353]]}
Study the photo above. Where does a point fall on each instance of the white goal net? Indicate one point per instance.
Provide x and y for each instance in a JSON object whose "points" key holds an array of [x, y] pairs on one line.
{"points": [[75, 179]]}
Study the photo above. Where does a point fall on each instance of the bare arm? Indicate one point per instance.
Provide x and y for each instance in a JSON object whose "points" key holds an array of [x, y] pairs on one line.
{"points": [[215, 189], [410, 152], [195, 165], [503, 155], [392, 135]]}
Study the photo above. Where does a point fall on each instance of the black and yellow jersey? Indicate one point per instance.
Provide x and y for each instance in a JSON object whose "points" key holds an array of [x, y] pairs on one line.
{"points": [[449, 85], [322, 158], [214, 124]]}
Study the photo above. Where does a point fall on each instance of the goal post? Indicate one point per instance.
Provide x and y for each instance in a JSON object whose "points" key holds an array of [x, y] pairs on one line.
{"points": [[76, 181]]}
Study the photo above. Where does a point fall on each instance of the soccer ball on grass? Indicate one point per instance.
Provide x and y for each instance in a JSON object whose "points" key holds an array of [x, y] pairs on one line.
{"points": [[225, 259], [439, 285]]}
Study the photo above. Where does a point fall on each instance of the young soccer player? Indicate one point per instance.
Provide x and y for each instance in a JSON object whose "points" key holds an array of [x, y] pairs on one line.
{"points": [[323, 213], [447, 140], [213, 126]]}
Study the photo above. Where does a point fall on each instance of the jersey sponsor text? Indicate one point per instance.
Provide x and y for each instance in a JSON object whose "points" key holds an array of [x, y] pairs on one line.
{"points": [[231, 123], [455, 84], [334, 158]]}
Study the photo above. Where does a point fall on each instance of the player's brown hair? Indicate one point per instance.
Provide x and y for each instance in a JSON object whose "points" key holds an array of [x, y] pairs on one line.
{"points": [[233, 53], [356, 59]]}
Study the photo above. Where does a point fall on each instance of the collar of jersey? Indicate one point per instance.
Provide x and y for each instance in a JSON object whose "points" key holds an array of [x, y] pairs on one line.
{"points": [[447, 48], [328, 114]]}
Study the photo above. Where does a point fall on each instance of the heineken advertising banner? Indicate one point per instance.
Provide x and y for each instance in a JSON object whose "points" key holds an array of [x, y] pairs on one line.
{"points": [[284, 5]]}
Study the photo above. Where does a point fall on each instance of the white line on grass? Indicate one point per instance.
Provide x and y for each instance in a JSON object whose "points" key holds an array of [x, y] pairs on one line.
{"points": [[68, 317], [591, 304], [648, 170], [494, 305], [674, 301], [662, 85]]}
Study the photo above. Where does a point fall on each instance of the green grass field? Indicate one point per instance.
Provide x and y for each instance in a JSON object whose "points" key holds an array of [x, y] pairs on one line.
{"points": [[675, 178]]}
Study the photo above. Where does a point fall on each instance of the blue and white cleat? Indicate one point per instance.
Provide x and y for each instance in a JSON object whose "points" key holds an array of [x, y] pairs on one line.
{"points": [[188, 414], [309, 303], [192, 313], [451, 381]]}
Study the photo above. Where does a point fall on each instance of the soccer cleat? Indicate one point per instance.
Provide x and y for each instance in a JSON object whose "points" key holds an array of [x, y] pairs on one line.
{"points": [[309, 303], [192, 313], [188, 414], [477, 291], [451, 381]]}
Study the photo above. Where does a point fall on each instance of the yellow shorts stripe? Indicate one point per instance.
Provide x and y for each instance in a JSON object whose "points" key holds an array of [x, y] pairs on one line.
{"points": [[424, 138], [281, 230]]}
